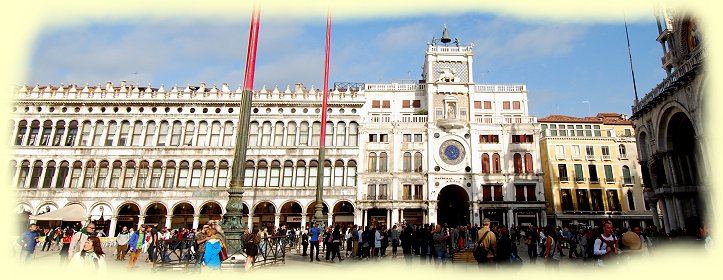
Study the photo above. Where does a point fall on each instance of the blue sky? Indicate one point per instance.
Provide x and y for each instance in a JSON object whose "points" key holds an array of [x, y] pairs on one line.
{"points": [[562, 63]]}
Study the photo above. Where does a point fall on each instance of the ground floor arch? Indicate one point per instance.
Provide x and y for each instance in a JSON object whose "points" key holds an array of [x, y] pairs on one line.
{"points": [[182, 216], [453, 206]]}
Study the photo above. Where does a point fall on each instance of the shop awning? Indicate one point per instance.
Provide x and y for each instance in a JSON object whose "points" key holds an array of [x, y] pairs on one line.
{"points": [[73, 212]]}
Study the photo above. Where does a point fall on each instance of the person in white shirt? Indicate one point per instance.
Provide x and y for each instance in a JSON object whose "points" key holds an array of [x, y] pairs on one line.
{"points": [[606, 245]]}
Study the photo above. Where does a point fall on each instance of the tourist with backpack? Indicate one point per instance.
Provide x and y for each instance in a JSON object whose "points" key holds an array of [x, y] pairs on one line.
{"points": [[553, 250], [606, 245], [485, 249]]}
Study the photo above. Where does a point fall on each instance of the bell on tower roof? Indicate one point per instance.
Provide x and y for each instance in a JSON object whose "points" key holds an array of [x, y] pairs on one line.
{"points": [[445, 36]]}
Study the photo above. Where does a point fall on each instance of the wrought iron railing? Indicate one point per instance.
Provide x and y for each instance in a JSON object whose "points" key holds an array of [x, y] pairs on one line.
{"points": [[183, 253]]}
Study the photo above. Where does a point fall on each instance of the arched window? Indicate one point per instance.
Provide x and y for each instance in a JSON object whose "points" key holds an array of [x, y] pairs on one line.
{"points": [[210, 173], [327, 173], [176, 134], [45, 136], [215, 134], [156, 174], [163, 133], [631, 200], [383, 162], [417, 162], [485, 163], [59, 131], [35, 176], [22, 129], [23, 176], [249, 173], [188, 136], [626, 175], [72, 133], [85, 134], [373, 162], [142, 174], [353, 134], [313, 172], [170, 174], [75, 175], [261, 173], [137, 134], [279, 134], [528, 164], [49, 173], [183, 175], [351, 174], [222, 174], [266, 134], [623, 152], [150, 133], [288, 174], [89, 173], [496, 164], [102, 174], [300, 173], [304, 134], [62, 175], [340, 134], [98, 136], [407, 162], [130, 173], [291, 134], [329, 137], [517, 163], [112, 130], [315, 132], [124, 131], [202, 133], [115, 174], [34, 129], [275, 174], [253, 134], [338, 173], [227, 135], [196, 174]]}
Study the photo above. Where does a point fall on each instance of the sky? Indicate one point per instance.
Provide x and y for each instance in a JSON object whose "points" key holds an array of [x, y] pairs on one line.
{"points": [[563, 63]]}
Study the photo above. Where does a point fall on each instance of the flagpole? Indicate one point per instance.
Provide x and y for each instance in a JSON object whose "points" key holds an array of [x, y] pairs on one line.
{"points": [[318, 215]]}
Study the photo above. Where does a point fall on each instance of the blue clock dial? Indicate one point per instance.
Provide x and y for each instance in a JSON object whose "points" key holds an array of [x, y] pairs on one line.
{"points": [[452, 152]]}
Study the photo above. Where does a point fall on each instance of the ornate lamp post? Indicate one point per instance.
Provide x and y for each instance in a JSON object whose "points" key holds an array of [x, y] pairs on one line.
{"points": [[233, 224]]}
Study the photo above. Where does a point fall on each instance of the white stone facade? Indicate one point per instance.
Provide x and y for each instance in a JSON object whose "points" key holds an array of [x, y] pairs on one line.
{"points": [[394, 151]]}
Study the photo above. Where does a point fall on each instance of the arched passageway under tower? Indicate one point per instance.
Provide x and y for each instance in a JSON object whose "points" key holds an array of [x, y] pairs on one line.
{"points": [[453, 206]]}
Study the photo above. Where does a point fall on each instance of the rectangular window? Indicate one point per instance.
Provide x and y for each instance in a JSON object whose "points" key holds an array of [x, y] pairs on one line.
{"points": [[592, 169], [588, 130], [576, 152], [383, 195], [248, 177], [406, 104], [128, 179], [531, 193], [566, 200], [478, 104], [590, 152], [351, 176], [115, 177], [274, 178], [519, 193], [583, 200], [418, 138], [609, 174], [580, 132], [597, 200], [373, 137], [489, 138], [418, 192], [384, 138], [516, 105], [560, 151], [498, 193], [371, 192], [288, 176], [300, 176], [170, 174], [628, 133], [579, 177], [562, 172], [338, 175], [416, 103], [195, 177], [406, 192], [376, 104], [505, 105], [155, 177], [385, 104], [614, 200], [222, 177], [488, 105], [183, 177], [313, 171], [486, 193], [406, 138], [596, 129], [605, 152], [261, 177]]}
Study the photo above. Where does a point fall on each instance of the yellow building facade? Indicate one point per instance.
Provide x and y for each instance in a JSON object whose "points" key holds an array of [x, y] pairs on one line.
{"points": [[592, 171]]}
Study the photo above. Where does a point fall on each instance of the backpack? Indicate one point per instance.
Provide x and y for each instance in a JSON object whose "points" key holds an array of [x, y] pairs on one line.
{"points": [[480, 251]]}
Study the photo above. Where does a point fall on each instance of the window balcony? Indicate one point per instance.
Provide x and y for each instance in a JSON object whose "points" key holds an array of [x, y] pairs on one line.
{"points": [[627, 180], [563, 179], [623, 156], [606, 157], [590, 157]]}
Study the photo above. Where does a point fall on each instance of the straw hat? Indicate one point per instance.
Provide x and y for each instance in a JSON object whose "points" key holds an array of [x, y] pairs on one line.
{"points": [[631, 241]]}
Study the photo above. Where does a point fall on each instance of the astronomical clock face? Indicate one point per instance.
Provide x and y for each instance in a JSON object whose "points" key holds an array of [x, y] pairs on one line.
{"points": [[451, 152]]}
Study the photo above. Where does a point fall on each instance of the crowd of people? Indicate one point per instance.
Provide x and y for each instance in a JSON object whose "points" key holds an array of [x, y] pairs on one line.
{"points": [[492, 245]]}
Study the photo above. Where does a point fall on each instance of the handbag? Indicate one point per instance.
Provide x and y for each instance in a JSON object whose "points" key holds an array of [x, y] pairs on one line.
{"points": [[527, 241], [223, 254]]}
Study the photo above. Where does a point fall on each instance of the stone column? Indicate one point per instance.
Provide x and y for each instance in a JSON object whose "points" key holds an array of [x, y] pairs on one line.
{"points": [[141, 220], [277, 220], [364, 217], [474, 218], [250, 222], [543, 218], [401, 215], [666, 217], [388, 221], [113, 224], [679, 211], [395, 216], [510, 217], [196, 220], [432, 212], [329, 219], [168, 221], [303, 220]]}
